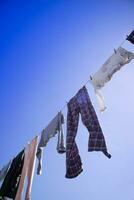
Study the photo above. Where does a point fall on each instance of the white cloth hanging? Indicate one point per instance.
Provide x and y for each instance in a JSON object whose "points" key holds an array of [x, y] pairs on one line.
{"points": [[119, 58]]}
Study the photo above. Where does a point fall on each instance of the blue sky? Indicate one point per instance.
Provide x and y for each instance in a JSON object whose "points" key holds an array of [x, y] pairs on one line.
{"points": [[48, 50]]}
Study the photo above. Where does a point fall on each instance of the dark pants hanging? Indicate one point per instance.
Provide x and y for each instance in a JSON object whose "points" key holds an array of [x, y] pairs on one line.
{"points": [[11, 182], [81, 104]]}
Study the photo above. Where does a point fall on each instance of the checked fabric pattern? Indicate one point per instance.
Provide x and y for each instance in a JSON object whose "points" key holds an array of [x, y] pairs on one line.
{"points": [[80, 104]]}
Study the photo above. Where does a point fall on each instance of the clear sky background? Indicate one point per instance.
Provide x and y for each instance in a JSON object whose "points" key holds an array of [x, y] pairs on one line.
{"points": [[48, 50]]}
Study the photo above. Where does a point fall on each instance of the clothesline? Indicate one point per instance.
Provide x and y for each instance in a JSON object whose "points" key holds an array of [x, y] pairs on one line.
{"points": [[97, 143], [119, 58], [63, 107], [122, 43]]}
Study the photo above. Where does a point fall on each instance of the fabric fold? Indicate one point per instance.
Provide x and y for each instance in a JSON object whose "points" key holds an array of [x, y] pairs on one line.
{"points": [[81, 104], [50, 131], [11, 182], [4, 170], [100, 101], [130, 37], [28, 170], [119, 58], [60, 143]]}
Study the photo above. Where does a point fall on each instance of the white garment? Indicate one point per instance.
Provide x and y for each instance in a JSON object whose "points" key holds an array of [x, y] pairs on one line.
{"points": [[119, 58]]}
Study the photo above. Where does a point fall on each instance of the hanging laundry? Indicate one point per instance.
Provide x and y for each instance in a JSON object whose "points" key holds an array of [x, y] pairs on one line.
{"points": [[4, 170], [28, 169], [81, 104], [119, 58], [130, 37], [40, 160], [50, 131], [60, 144], [10, 184]]}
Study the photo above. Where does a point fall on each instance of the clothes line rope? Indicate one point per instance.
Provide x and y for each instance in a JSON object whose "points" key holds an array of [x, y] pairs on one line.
{"points": [[64, 106], [79, 104], [122, 43]]}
